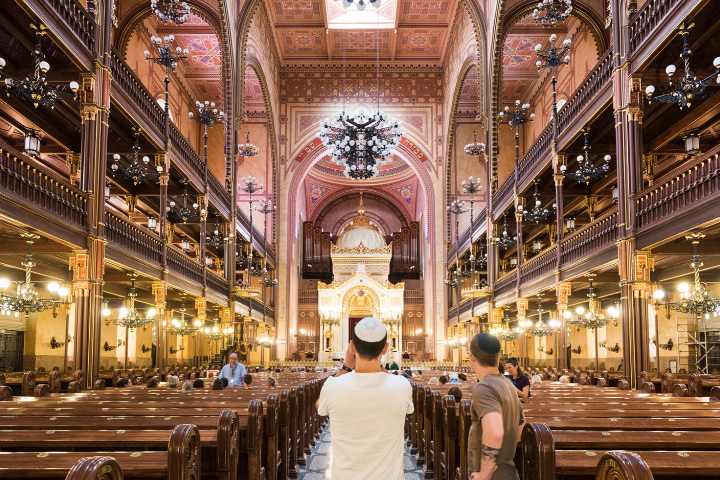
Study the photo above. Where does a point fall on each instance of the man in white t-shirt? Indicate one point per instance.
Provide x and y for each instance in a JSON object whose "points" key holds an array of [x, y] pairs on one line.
{"points": [[367, 409]]}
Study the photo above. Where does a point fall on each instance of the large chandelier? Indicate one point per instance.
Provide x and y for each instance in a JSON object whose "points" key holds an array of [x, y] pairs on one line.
{"points": [[170, 11], [479, 289], [184, 214], [475, 148], [26, 299], [361, 143], [505, 240], [554, 14], [134, 172], [34, 87], [216, 332], [536, 213], [481, 259], [695, 298], [181, 328], [542, 329], [248, 149], [592, 318], [505, 333], [690, 88], [587, 170], [216, 239], [361, 4], [131, 318]]}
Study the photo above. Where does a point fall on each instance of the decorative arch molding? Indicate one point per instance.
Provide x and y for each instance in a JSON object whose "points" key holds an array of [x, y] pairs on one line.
{"points": [[505, 21], [369, 289], [376, 195]]}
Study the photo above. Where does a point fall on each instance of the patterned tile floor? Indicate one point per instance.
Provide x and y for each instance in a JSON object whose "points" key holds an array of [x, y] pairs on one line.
{"points": [[318, 467]]}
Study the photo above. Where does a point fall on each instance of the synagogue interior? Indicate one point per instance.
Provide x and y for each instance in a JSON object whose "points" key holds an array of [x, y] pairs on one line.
{"points": [[185, 180]]}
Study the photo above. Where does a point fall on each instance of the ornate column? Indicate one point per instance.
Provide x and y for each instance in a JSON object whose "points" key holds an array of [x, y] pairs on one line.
{"points": [[164, 229], [522, 305], [81, 288], [562, 292], [201, 308], [558, 160], [159, 289], [519, 202], [202, 201]]}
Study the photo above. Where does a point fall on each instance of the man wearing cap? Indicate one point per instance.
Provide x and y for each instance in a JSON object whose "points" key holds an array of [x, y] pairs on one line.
{"points": [[367, 409], [497, 416]]}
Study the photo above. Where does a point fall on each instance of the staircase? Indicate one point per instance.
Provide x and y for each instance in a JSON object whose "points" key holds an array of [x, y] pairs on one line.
{"points": [[218, 360]]}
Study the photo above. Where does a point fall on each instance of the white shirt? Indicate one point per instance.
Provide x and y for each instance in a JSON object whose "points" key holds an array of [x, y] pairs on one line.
{"points": [[367, 420]]}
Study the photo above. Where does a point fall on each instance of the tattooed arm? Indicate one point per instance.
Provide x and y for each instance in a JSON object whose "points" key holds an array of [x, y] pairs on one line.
{"points": [[492, 437]]}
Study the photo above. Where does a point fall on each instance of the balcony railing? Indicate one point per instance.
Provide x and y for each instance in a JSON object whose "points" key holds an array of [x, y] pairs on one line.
{"points": [[650, 16], [681, 189], [504, 191], [182, 147], [184, 266], [536, 154], [539, 266], [464, 307], [453, 312], [38, 186], [589, 239], [596, 80], [77, 19], [134, 238], [216, 282], [506, 283]]}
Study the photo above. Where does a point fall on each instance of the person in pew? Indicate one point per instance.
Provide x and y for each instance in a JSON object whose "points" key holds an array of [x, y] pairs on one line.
{"points": [[434, 381], [457, 393], [218, 384], [564, 379], [124, 382], [497, 415], [152, 383], [620, 367], [536, 380], [453, 380], [247, 380], [521, 382], [198, 383], [443, 379], [271, 382], [234, 371], [367, 410], [187, 387], [462, 377], [394, 366], [173, 381]]}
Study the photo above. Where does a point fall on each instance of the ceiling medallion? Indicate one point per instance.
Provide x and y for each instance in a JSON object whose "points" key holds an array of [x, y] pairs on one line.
{"points": [[361, 143]]}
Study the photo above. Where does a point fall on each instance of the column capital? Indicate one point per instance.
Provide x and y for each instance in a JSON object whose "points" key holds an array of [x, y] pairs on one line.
{"points": [[591, 205], [649, 164]]}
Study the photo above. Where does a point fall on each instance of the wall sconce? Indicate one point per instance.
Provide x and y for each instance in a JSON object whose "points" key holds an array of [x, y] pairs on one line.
{"points": [[55, 344], [185, 244], [542, 350], [209, 261], [576, 350], [152, 223], [603, 344], [513, 262], [180, 349], [537, 246], [692, 144], [107, 191], [615, 349], [570, 224], [121, 343], [145, 349], [667, 346], [108, 348], [614, 193], [32, 143]]}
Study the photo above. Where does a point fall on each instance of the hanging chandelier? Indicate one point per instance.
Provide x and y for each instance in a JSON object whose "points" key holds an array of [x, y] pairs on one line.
{"points": [[247, 289], [690, 88], [248, 149], [216, 239], [361, 143], [135, 172], [183, 214], [131, 318], [505, 333], [481, 259], [537, 213], [34, 87], [216, 332], [554, 14], [475, 148], [452, 281], [267, 280], [695, 298], [360, 4], [592, 319], [240, 257], [506, 240], [541, 329], [587, 171], [181, 328], [170, 11], [27, 299]]}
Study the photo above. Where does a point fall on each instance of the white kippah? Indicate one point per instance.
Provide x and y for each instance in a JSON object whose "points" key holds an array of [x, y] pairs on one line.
{"points": [[370, 329]]}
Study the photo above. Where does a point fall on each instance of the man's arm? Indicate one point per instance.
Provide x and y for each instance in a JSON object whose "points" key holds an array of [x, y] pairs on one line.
{"points": [[492, 437]]}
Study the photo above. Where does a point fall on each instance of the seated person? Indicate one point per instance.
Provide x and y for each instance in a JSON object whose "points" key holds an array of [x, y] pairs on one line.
{"points": [[198, 383], [443, 380], [536, 380], [218, 384], [453, 380], [394, 366], [462, 377], [152, 383], [172, 381], [247, 380], [187, 387], [434, 381], [124, 382], [521, 382], [225, 382], [272, 383], [456, 392], [564, 379]]}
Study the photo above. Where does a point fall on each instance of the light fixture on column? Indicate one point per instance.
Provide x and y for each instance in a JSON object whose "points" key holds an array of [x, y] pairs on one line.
{"points": [[615, 194], [184, 214], [552, 58], [181, 327], [32, 143], [208, 115], [185, 244], [690, 88], [34, 87], [27, 299], [505, 240], [695, 298], [537, 246], [456, 208], [167, 58], [481, 258], [247, 289], [536, 213], [692, 144], [555, 12], [361, 143], [592, 318], [479, 289], [268, 279], [587, 171], [216, 239], [248, 149], [135, 173], [474, 149], [209, 261], [360, 4], [570, 224], [170, 11], [131, 318], [152, 223], [516, 118]]}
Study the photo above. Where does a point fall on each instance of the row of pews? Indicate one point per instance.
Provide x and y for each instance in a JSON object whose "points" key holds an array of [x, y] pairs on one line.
{"points": [[576, 431], [256, 434]]}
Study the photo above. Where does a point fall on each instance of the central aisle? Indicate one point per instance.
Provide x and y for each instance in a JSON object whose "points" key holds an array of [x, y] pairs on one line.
{"points": [[318, 468]]}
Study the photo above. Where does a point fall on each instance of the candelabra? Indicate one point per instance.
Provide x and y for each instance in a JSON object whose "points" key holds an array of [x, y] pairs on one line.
{"points": [[553, 14], [592, 318], [135, 172], [207, 116], [168, 58], [552, 58], [456, 208], [181, 328], [34, 87], [587, 170], [171, 11], [536, 213], [184, 214], [506, 240], [131, 318], [515, 119], [505, 333], [27, 299], [541, 329], [690, 88], [248, 149], [474, 149], [216, 333]]}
